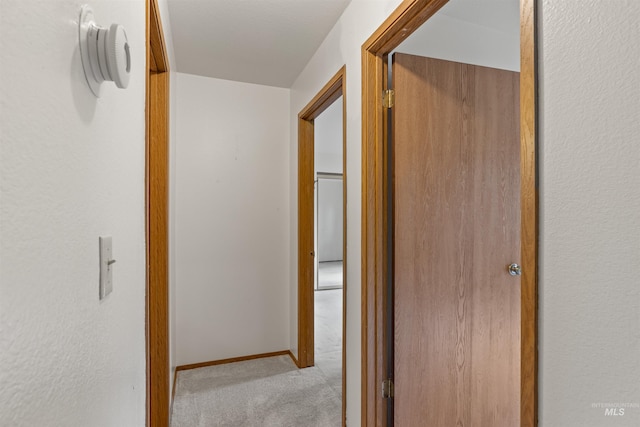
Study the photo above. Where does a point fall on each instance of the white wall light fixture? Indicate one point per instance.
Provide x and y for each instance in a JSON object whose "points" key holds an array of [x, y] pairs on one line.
{"points": [[105, 52]]}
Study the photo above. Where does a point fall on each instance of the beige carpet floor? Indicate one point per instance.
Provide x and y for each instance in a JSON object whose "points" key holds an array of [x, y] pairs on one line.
{"points": [[269, 392], [328, 336]]}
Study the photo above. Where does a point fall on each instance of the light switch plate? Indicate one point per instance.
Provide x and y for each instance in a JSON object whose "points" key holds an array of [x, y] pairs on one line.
{"points": [[106, 266]]}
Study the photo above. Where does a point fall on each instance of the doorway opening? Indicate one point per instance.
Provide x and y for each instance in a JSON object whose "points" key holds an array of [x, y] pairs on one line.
{"points": [[322, 234], [329, 243], [329, 224], [328, 195], [379, 202]]}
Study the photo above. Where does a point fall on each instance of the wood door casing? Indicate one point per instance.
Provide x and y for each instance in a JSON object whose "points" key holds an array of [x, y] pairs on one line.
{"points": [[157, 243], [332, 90], [305, 244], [456, 179]]}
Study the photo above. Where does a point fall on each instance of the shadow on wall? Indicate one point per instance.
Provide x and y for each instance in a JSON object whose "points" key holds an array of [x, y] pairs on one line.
{"points": [[84, 101]]}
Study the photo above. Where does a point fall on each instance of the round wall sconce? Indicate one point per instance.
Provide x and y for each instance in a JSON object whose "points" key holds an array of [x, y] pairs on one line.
{"points": [[105, 52]]}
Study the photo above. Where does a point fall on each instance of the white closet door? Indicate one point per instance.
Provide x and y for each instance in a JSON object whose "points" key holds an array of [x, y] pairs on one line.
{"points": [[329, 219]]}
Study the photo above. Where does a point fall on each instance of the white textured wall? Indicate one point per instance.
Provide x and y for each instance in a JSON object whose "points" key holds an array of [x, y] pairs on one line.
{"points": [[71, 169], [232, 251], [590, 212]]}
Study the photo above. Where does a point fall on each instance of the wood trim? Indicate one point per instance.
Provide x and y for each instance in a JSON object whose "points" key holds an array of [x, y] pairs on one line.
{"points": [[294, 359], [400, 24], [159, 62], [330, 92], [156, 200], [148, 64], [233, 360], [230, 360], [344, 246], [371, 105], [327, 95], [323, 99], [305, 243], [173, 389], [157, 273], [529, 212]]}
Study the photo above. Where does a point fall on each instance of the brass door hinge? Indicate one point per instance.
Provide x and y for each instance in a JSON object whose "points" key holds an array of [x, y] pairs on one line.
{"points": [[387, 389], [388, 98]]}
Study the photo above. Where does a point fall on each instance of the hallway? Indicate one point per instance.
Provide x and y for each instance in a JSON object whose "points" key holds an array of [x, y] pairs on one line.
{"points": [[74, 168], [270, 391]]}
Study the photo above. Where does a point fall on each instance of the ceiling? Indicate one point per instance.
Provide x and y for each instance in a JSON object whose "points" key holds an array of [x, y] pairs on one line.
{"points": [[479, 32], [265, 42], [501, 15], [269, 42]]}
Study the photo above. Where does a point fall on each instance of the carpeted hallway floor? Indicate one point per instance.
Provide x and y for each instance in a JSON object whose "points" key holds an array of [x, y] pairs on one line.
{"points": [[328, 336], [270, 392]]}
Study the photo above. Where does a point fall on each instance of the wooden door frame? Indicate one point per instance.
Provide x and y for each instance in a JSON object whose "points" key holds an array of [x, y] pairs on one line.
{"points": [[334, 89], [156, 200], [398, 26]]}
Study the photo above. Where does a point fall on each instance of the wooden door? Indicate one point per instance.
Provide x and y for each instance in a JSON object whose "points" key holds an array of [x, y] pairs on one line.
{"points": [[456, 195]]}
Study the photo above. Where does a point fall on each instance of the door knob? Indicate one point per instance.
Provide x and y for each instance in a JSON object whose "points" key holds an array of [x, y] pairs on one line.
{"points": [[514, 270]]}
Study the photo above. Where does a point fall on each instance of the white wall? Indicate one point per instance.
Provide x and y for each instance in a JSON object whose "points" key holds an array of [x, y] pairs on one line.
{"points": [[71, 169], [590, 212], [232, 251], [327, 139]]}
